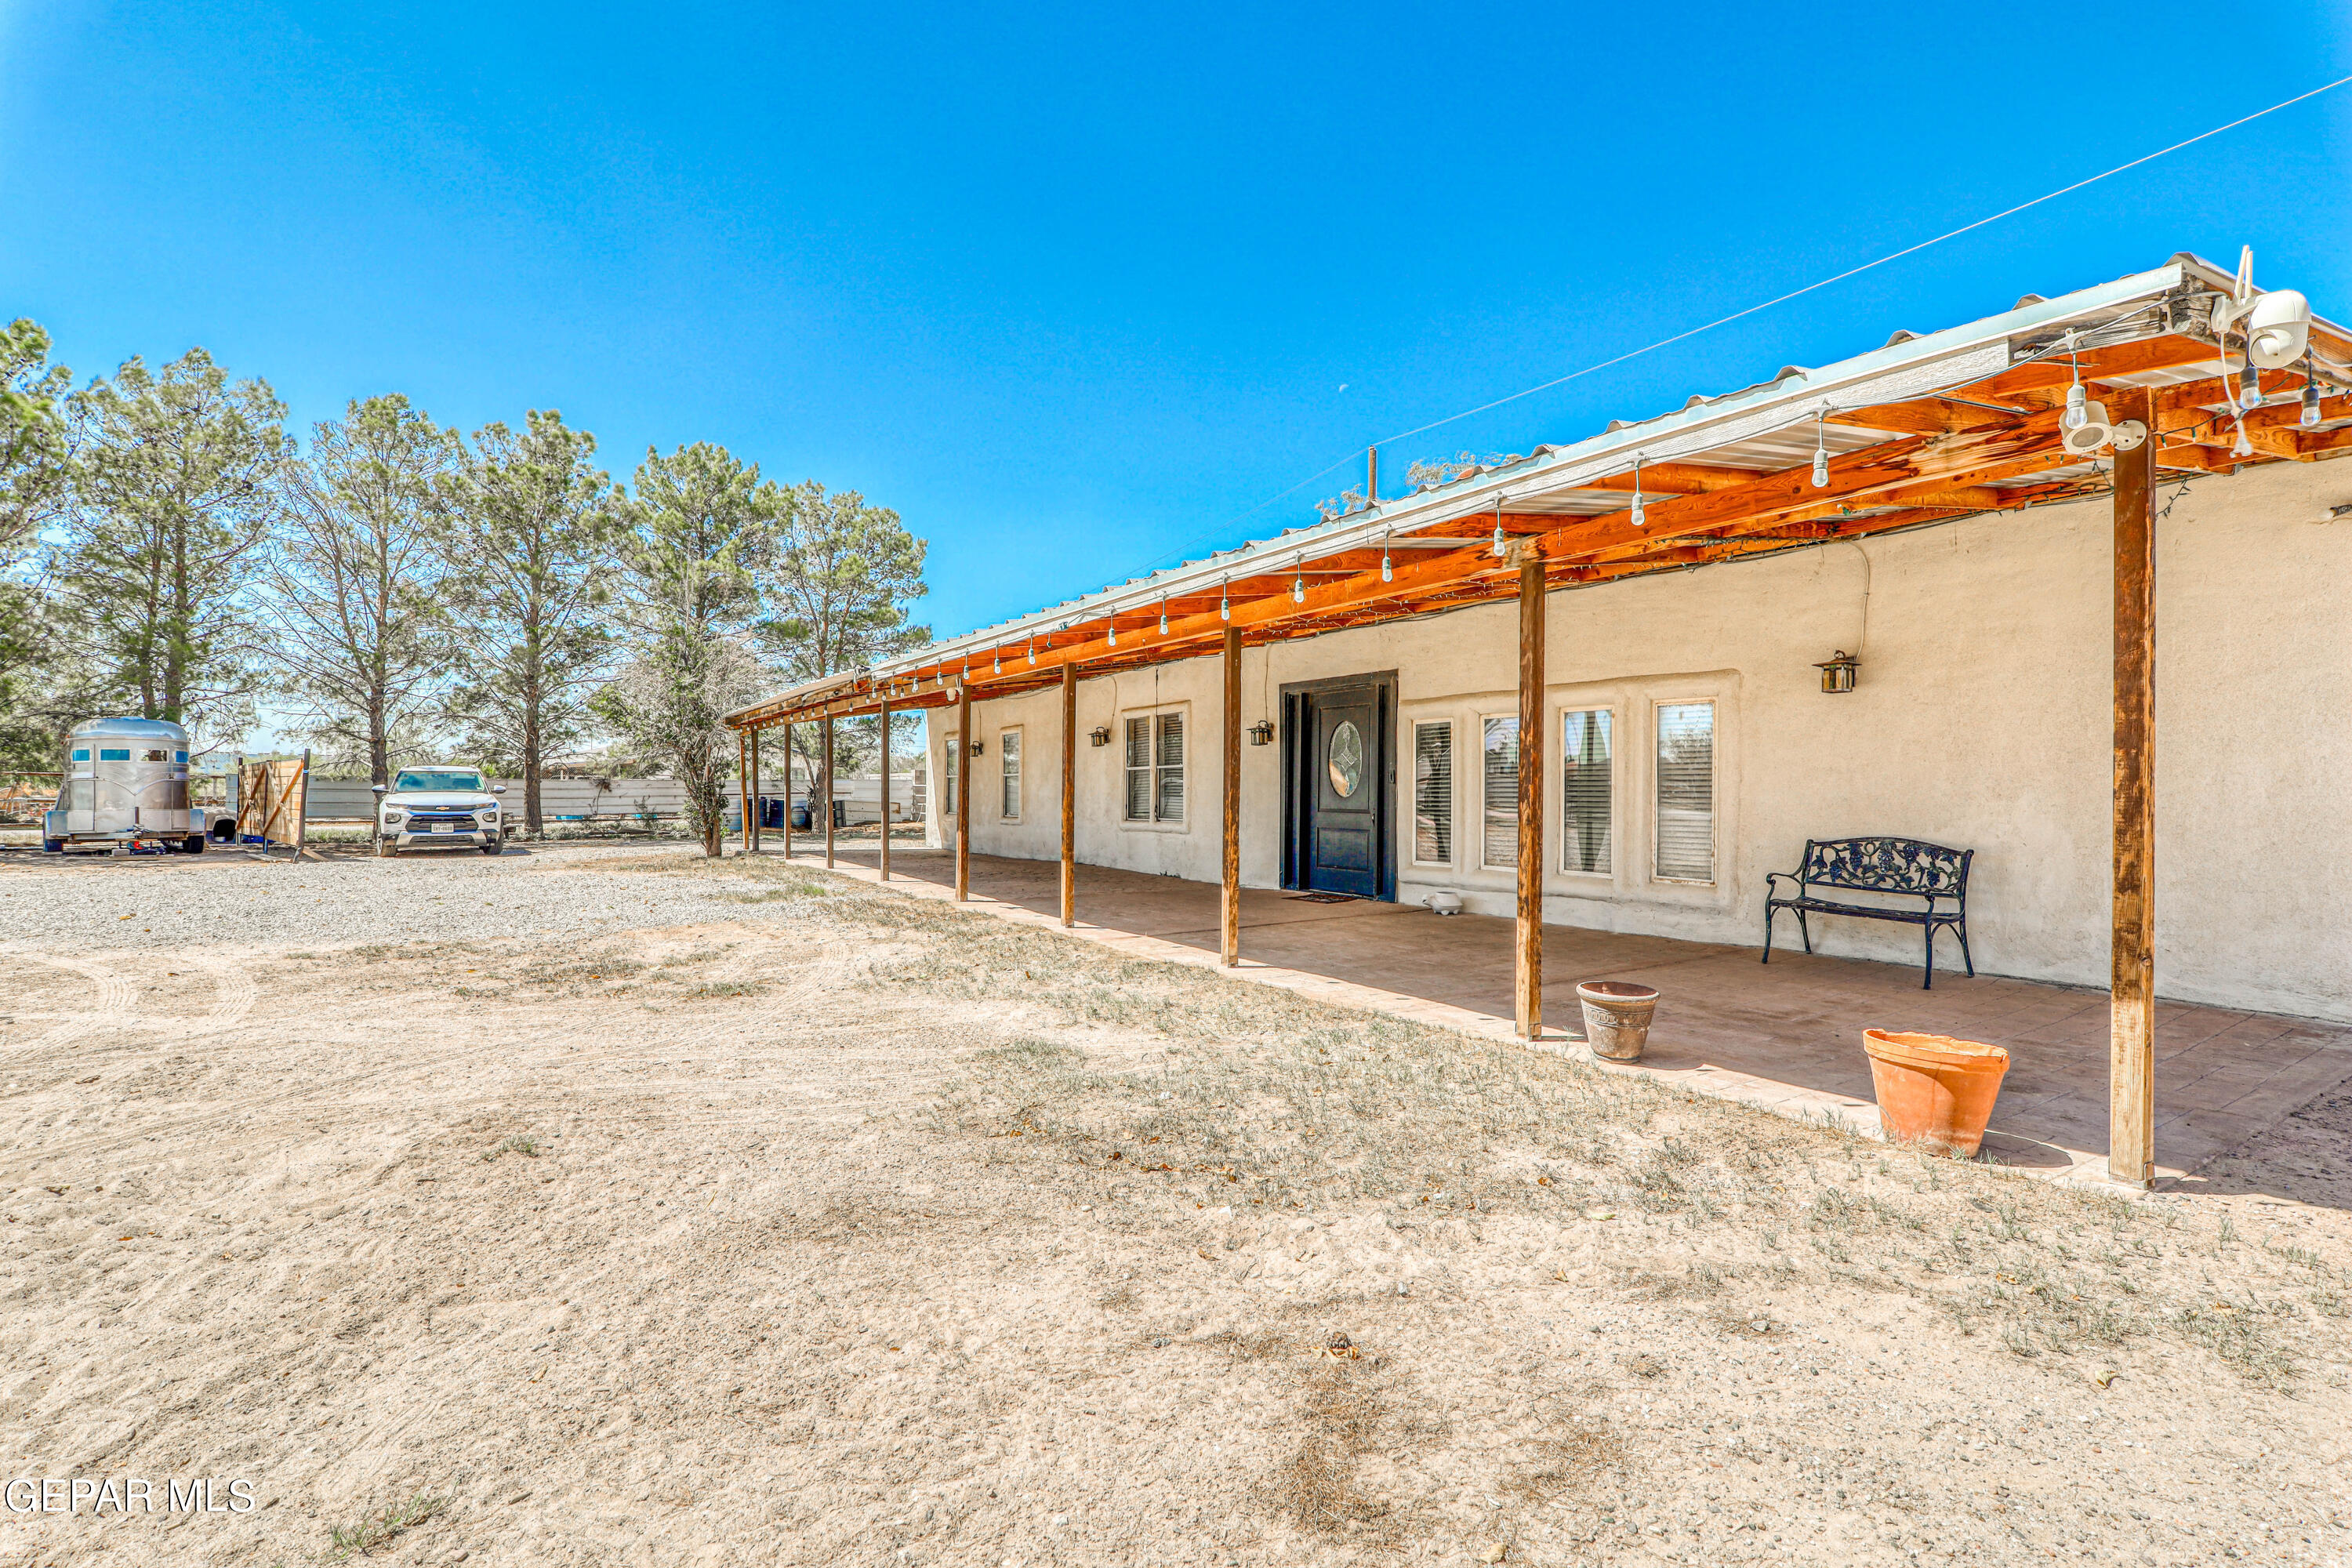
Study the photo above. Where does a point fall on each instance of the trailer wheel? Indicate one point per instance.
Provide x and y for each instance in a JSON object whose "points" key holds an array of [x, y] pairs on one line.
{"points": [[193, 844], [53, 845], [493, 848]]}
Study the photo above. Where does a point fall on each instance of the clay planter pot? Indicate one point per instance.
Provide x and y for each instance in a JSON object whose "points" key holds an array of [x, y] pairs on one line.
{"points": [[1934, 1089], [1617, 1016]]}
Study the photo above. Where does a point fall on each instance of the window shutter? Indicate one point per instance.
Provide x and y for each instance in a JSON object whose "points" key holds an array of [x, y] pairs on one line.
{"points": [[1588, 791], [1169, 805], [1433, 793], [1686, 831], [1139, 769], [1499, 840]]}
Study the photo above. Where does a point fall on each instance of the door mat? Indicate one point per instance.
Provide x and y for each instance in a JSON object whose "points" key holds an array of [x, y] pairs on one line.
{"points": [[1328, 897]]}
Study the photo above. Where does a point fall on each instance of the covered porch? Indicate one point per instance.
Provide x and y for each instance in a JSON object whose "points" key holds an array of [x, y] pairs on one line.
{"points": [[1784, 1036]]}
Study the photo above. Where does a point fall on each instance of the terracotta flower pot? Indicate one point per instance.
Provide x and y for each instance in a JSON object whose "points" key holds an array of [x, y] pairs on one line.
{"points": [[1935, 1089], [1617, 1016]]}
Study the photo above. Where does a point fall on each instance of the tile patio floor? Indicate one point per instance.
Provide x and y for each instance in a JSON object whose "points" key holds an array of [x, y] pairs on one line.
{"points": [[1786, 1037]]}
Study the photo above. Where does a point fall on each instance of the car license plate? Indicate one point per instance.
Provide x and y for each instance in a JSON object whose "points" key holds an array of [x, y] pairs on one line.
{"points": [[445, 828]]}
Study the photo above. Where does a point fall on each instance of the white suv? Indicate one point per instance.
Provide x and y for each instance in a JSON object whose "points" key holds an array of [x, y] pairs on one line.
{"points": [[446, 805]]}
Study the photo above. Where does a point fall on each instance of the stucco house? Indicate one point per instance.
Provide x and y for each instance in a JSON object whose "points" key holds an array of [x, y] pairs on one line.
{"points": [[1930, 592]]}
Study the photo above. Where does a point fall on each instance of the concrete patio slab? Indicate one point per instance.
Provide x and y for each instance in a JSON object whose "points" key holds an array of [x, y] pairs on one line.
{"points": [[1784, 1036]]}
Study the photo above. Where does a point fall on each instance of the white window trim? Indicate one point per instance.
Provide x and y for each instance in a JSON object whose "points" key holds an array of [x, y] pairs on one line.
{"points": [[1118, 748], [1556, 807], [1412, 799], [1479, 773], [1715, 773], [1012, 730]]}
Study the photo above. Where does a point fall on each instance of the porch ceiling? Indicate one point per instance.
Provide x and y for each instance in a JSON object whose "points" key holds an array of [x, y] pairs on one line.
{"points": [[1922, 430]]}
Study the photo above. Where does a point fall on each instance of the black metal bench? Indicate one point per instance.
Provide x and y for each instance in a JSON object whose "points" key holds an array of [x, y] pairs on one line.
{"points": [[1900, 867]]}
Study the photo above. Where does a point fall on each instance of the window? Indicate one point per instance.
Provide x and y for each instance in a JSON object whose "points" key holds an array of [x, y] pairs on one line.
{"points": [[108, 754], [82, 754], [1588, 793], [1155, 768], [1499, 840], [437, 779], [156, 757], [1008, 746], [1433, 793], [950, 756], [1685, 828]]}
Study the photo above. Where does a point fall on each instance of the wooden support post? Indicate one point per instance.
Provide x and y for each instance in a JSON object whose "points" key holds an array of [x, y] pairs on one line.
{"points": [[758, 806], [743, 782], [788, 791], [2131, 1084], [963, 794], [885, 788], [1229, 904], [1069, 794], [1529, 965], [826, 728]]}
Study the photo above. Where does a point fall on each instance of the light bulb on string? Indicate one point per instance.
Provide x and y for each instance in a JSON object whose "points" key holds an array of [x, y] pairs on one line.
{"points": [[1299, 581], [1821, 451], [2250, 386], [2310, 414], [1033, 650], [1224, 600], [1164, 616], [996, 665], [1388, 575], [1498, 525], [1641, 517], [1114, 631]]}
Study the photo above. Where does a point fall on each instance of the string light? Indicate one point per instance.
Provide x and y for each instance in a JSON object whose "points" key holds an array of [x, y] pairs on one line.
{"points": [[2310, 414], [1498, 525], [1113, 620], [1299, 581], [1821, 449], [1641, 517], [1164, 614], [1387, 573], [2078, 410], [1033, 650], [2250, 383], [1224, 600], [997, 665]]}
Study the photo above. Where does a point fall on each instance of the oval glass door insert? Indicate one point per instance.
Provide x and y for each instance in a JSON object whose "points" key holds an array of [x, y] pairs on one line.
{"points": [[1346, 760]]}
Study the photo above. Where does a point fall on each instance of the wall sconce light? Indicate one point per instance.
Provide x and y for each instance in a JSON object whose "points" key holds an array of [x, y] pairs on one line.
{"points": [[978, 747], [1262, 733], [1837, 674], [1099, 735]]}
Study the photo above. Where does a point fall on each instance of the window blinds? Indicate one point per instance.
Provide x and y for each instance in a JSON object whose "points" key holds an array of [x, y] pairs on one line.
{"points": [[1686, 828], [1433, 793], [1499, 839], [1168, 805], [1587, 793], [1139, 769], [1155, 768]]}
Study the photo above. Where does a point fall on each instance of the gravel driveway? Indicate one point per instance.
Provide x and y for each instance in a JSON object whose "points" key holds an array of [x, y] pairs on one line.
{"points": [[83, 905]]}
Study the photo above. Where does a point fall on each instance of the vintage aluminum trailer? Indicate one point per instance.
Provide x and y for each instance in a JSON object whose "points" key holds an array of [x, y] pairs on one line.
{"points": [[126, 789]]}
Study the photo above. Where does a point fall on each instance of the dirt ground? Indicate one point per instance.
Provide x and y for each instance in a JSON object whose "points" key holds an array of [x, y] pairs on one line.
{"points": [[852, 1229]]}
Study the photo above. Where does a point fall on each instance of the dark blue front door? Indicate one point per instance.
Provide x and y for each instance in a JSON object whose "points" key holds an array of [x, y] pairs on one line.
{"points": [[1343, 793]]}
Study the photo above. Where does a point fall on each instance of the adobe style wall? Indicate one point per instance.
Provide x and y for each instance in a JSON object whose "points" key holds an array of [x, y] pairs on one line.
{"points": [[1981, 720]]}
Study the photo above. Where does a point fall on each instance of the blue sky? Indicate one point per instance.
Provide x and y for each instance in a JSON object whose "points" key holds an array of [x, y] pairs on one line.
{"points": [[1074, 288]]}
